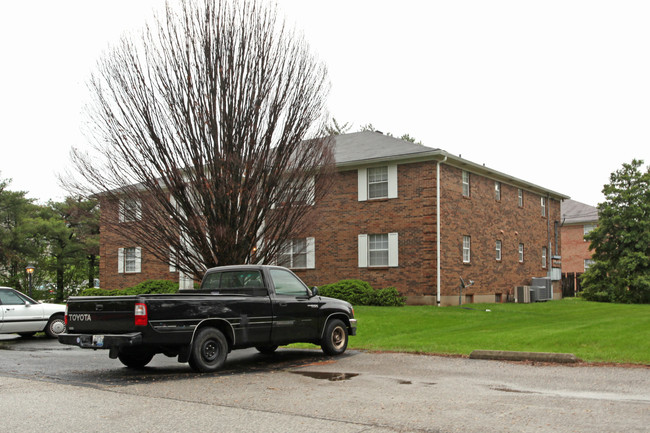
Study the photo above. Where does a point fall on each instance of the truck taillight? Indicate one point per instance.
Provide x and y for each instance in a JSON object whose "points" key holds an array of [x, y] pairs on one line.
{"points": [[66, 315], [141, 318]]}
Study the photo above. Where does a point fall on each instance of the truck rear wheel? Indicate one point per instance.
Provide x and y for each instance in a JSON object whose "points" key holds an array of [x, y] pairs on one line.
{"points": [[209, 350], [335, 338], [135, 358]]}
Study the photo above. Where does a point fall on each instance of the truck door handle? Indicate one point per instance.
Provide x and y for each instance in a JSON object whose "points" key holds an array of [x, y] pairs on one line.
{"points": [[282, 304]]}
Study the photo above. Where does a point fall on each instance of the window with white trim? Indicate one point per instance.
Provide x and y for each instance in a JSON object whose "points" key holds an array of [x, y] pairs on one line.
{"points": [[497, 191], [521, 253], [544, 254], [498, 251], [130, 210], [543, 204], [466, 186], [520, 197], [378, 250], [588, 228], [588, 263], [467, 249], [129, 260], [377, 182], [298, 254]]}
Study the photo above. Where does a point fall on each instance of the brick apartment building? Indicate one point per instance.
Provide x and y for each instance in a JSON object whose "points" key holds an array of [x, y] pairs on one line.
{"points": [[578, 219], [404, 215]]}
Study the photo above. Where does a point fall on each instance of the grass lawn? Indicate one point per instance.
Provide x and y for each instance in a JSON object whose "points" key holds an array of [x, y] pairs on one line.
{"points": [[594, 332]]}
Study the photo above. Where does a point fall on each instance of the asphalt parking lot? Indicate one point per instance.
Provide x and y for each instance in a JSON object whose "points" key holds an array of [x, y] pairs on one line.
{"points": [[50, 387]]}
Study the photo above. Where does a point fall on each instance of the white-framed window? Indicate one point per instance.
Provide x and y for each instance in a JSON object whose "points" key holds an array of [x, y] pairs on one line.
{"points": [[466, 186], [543, 204], [377, 182], [521, 253], [588, 228], [378, 250], [544, 254], [130, 210], [498, 251], [588, 263], [467, 249], [129, 260], [298, 254], [497, 191], [520, 197]]}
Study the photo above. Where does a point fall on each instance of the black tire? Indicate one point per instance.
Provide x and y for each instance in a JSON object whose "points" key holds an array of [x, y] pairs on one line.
{"points": [[135, 358], [266, 350], [55, 326], [209, 350], [335, 338]]}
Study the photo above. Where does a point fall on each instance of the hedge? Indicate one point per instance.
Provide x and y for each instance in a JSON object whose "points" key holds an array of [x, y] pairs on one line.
{"points": [[358, 292], [146, 287]]}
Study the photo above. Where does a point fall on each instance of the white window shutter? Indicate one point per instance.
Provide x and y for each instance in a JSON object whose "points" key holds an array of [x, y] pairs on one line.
{"points": [[138, 210], [392, 181], [120, 260], [363, 251], [172, 259], [120, 211], [363, 184], [311, 253], [138, 259], [393, 250]]}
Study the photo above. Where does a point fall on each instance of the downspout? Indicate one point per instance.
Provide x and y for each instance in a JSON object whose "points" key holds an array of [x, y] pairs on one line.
{"points": [[548, 235], [438, 230]]}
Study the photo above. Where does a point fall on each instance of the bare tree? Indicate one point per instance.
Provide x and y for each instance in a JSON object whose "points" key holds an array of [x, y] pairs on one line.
{"points": [[207, 135]]}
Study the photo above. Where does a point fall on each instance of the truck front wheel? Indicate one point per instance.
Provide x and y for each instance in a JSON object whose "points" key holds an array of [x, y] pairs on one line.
{"points": [[209, 350], [135, 358], [335, 339]]}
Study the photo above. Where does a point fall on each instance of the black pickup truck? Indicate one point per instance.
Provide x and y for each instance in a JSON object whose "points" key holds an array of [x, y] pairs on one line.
{"points": [[236, 307]]}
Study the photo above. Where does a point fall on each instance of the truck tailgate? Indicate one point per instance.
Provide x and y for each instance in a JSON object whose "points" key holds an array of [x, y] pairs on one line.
{"points": [[106, 315]]}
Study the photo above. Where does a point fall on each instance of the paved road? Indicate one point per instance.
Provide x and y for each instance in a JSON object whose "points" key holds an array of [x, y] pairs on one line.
{"points": [[45, 386]]}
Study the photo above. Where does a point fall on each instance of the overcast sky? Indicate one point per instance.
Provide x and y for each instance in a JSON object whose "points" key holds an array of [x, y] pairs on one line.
{"points": [[556, 93]]}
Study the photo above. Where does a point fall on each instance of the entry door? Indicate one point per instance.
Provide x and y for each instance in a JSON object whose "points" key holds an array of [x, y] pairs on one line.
{"points": [[296, 313]]}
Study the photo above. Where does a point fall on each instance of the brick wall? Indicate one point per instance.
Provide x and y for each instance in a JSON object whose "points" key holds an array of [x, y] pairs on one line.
{"points": [[575, 250], [487, 220], [110, 242], [342, 217]]}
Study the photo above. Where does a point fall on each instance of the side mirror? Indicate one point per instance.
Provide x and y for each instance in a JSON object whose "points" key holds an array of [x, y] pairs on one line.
{"points": [[314, 291]]}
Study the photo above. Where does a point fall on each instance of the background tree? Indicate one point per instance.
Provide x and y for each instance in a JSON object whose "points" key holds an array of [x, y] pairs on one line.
{"points": [[18, 245], [335, 128], [621, 242], [209, 127]]}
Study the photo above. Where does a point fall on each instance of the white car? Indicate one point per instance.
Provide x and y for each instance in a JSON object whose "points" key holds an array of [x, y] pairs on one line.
{"points": [[20, 314]]}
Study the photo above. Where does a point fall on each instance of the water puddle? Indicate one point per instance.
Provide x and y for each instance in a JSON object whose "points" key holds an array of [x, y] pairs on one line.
{"points": [[322, 375]]}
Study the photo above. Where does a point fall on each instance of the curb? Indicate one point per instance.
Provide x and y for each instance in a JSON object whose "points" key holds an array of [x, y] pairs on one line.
{"points": [[501, 355]]}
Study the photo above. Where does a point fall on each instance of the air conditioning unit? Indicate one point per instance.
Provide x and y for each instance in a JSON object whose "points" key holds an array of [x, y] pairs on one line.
{"points": [[543, 288], [522, 294]]}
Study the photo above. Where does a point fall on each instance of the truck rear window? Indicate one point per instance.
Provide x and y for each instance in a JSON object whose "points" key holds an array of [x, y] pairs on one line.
{"points": [[233, 280]]}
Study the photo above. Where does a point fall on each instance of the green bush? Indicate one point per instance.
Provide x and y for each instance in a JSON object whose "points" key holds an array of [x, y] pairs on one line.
{"points": [[389, 297], [146, 287], [358, 292]]}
